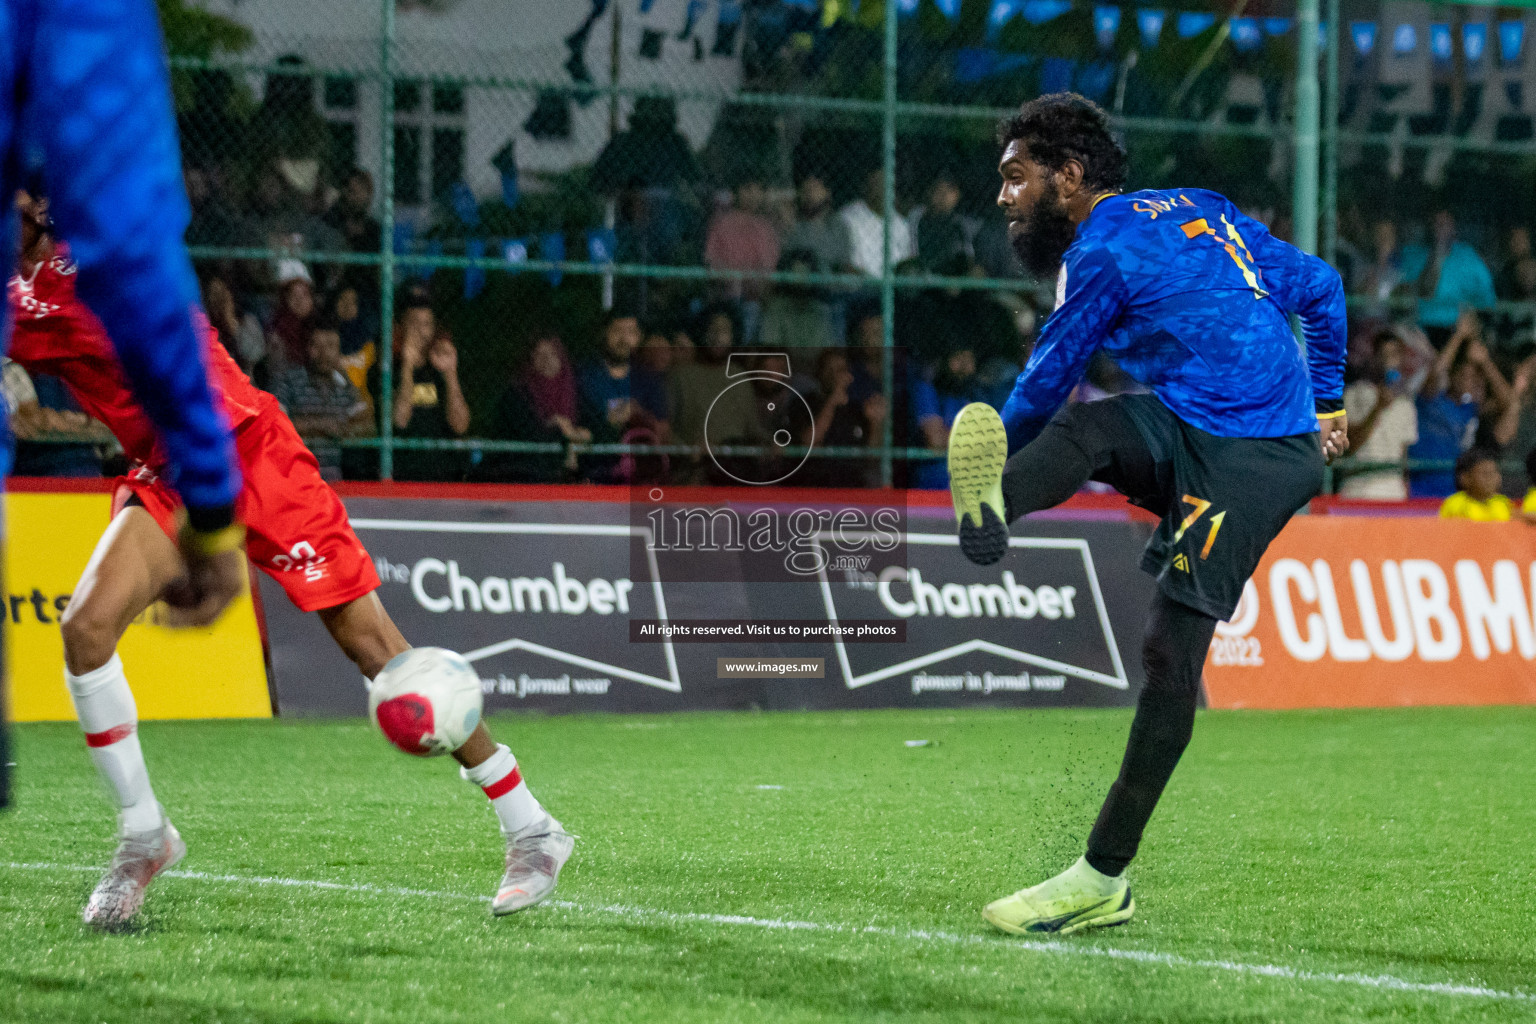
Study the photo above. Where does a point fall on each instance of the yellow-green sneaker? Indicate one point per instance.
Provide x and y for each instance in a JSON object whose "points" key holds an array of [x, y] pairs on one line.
{"points": [[1074, 900], [978, 450]]}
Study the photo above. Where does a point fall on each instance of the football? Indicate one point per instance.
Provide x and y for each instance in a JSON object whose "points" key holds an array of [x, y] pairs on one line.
{"points": [[426, 701]]}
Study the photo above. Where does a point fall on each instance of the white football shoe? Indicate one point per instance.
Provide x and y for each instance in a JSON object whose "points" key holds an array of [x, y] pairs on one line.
{"points": [[139, 858], [534, 859]]}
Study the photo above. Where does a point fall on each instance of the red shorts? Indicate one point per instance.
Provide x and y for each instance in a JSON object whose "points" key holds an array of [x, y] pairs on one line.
{"points": [[296, 527]]}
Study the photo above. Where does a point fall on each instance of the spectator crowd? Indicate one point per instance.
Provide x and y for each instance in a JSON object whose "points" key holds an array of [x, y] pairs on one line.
{"points": [[639, 381]]}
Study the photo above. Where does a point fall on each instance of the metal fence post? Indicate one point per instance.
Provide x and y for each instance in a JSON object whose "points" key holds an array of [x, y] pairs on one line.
{"points": [[1330, 200], [386, 408], [1304, 187], [887, 277]]}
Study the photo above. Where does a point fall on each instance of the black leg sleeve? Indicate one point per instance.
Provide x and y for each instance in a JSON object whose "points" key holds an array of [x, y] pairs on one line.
{"points": [[1087, 441], [1177, 640]]}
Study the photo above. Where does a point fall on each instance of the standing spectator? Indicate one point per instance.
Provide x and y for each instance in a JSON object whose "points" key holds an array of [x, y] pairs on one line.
{"points": [[741, 238], [1462, 390], [1382, 424], [288, 340], [1450, 276], [358, 330], [794, 317], [428, 400], [935, 404], [866, 228], [1479, 480], [1524, 440], [943, 235], [322, 402], [1517, 251], [540, 405], [818, 229]]}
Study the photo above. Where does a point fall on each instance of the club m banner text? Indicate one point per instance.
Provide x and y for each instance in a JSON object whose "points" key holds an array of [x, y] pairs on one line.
{"points": [[1368, 612]]}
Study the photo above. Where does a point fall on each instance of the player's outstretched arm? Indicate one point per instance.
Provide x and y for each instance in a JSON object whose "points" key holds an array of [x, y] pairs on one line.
{"points": [[1093, 299], [97, 103]]}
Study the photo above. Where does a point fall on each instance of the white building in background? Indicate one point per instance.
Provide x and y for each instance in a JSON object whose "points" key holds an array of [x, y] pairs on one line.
{"points": [[461, 130]]}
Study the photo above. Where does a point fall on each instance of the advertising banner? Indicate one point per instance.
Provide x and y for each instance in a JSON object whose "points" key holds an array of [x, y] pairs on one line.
{"points": [[611, 606], [200, 673], [1383, 612]]}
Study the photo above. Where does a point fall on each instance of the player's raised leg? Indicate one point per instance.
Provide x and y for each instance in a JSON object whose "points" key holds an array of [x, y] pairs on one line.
{"points": [[132, 563], [537, 846]]}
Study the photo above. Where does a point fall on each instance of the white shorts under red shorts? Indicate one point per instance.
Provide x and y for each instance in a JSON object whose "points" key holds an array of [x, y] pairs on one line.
{"points": [[296, 528]]}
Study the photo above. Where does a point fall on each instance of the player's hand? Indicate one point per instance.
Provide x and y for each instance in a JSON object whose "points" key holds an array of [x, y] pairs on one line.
{"points": [[1335, 437], [214, 576]]}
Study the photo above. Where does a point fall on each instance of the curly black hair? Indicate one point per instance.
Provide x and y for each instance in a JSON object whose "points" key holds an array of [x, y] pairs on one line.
{"points": [[1064, 126]]}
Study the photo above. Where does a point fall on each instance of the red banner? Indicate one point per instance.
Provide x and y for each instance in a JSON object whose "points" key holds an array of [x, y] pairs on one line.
{"points": [[1354, 612]]}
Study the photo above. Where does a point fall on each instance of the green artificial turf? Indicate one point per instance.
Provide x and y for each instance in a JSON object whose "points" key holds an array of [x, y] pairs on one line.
{"points": [[1382, 844]]}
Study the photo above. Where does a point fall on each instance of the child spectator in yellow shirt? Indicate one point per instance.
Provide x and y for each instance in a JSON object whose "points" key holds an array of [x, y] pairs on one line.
{"points": [[1478, 476]]}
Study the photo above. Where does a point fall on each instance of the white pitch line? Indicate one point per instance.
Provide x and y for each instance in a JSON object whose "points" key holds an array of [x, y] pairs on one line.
{"points": [[1066, 948]]}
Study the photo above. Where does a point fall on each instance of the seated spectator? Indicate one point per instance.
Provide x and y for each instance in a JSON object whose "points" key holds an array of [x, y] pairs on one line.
{"points": [[1383, 278], [1449, 277], [280, 218], [352, 215], [324, 405], [702, 391], [604, 386], [1464, 390], [288, 338], [817, 229], [935, 404], [866, 228], [1479, 480], [428, 401], [794, 316], [540, 405], [1517, 251], [239, 331], [214, 220], [1382, 424], [53, 437], [943, 235], [840, 423], [652, 386], [358, 330]]}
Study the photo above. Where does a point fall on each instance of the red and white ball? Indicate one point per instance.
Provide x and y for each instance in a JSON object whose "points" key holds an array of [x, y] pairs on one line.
{"points": [[427, 701]]}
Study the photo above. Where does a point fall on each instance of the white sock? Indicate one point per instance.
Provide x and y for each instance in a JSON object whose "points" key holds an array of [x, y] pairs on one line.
{"points": [[104, 705], [1107, 885], [515, 806]]}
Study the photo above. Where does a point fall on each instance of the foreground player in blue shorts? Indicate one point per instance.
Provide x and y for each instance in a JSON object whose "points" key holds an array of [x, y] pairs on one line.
{"points": [[84, 93], [1191, 298]]}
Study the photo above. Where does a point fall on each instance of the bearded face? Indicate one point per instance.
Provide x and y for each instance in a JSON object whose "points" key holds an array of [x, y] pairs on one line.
{"points": [[1041, 235]]}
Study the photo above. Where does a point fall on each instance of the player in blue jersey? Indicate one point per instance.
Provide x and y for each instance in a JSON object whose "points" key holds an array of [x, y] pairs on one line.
{"points": [[84, 93], [1193, 299]]}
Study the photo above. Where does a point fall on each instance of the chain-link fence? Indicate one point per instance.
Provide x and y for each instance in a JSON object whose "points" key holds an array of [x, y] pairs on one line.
{"points": [[756, 240]]}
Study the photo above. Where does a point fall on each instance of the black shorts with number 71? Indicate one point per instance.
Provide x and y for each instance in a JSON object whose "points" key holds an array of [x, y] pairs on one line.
{"points": [[1221, 499]]}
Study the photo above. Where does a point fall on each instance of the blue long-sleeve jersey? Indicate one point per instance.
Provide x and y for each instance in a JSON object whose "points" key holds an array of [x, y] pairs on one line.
{"points": [[84, 86], [1191, 298]]}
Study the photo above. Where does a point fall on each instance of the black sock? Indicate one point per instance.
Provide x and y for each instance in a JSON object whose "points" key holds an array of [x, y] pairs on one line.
{"points": [[1177, 640]]}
